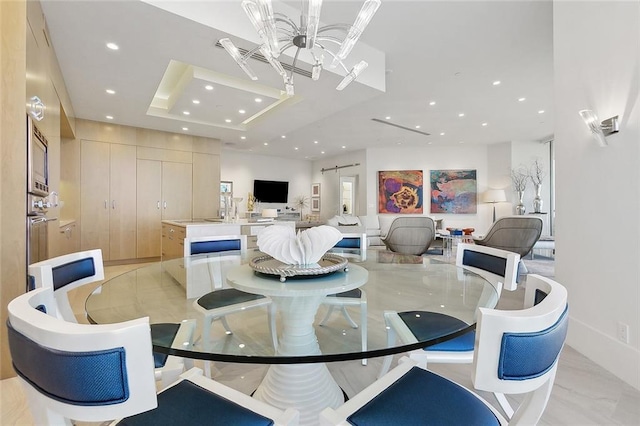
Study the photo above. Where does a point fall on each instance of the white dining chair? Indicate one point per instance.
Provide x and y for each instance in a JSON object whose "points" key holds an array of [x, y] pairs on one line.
{"points": [[70, 271], [516, 353], [98, 373], [351, 245]]}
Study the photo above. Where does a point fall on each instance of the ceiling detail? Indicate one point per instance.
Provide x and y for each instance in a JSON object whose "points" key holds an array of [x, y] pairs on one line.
{"points": [[388, 123]]}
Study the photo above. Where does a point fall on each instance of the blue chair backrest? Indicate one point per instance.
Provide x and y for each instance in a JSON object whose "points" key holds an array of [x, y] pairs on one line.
{"points": [[527, 355], [87, 378], [72, 271], [487, 262], [214, 246], [349, 242]]}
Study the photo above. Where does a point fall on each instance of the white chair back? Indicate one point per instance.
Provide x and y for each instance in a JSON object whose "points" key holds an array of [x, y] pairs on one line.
{"points": [[78, 371], [500, 267], [65, 273], [517, 350]]}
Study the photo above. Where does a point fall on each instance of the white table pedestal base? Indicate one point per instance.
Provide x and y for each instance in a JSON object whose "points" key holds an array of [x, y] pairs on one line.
{"points": [[309, 388]]}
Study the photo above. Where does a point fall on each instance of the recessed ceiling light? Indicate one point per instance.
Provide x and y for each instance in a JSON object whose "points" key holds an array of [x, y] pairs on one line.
{"points": [[226, 120], [315, 142], [429, 143], [109, 117], [441, 133], [258, 100], [485, 124], [541, 111], [266, 143], [344, 147], [460, 141], [283, 137], [321, 152], [113, 46], [296, 148], [461, 114], [186, 112], [387, 118], [208, 87], [496, 83], [399, 143], [110, 91], [243, 137], [432, 103], [522, 99], [418, 126], [185, 128], [195, 101], [241, 111]]}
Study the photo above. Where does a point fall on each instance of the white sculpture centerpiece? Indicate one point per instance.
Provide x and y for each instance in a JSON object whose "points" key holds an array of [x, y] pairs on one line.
{"points": [[298, 254]]}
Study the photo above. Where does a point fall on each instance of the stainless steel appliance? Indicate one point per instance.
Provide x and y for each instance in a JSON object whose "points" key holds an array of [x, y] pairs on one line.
{"points": [[39, 200]]}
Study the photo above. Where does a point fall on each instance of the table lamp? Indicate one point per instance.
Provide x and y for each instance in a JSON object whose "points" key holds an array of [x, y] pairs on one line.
{"points": [[269, 213], [494, 196]]}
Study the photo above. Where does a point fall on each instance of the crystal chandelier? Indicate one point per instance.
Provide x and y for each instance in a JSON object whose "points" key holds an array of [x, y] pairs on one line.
{"points": [[279, 33]]}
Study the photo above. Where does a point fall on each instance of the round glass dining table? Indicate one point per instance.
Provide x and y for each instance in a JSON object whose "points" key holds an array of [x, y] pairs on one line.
{"points": [[388, 282]]}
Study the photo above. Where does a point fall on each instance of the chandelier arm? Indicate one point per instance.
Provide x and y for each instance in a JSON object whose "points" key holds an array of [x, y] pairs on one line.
{"points": [[251, 52], [331, 39], [340, 27], [334, 57], [293, 65], [281, 17]]}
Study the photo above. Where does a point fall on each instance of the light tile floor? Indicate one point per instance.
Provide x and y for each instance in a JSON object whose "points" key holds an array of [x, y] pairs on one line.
{"points": [[584, 393]]}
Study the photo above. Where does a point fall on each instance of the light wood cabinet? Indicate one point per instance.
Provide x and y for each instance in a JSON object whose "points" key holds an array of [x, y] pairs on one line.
{"points": [[173, 241], [164, 192], [108, 199], [206, 185]]}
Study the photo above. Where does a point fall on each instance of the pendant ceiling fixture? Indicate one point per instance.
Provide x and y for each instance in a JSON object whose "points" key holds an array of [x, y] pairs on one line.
{"points": [[279, 33]]}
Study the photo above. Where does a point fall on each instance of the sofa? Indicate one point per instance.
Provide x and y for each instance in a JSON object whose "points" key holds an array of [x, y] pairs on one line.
{"points": [[375, 226]]}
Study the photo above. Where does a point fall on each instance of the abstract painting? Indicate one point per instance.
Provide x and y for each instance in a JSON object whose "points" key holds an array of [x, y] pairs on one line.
{"points": [[400, 191], [453, 191]]}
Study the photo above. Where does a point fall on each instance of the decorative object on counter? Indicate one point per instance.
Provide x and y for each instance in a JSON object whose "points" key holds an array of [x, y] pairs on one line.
{"points": [[250, 202], [468, 231], [236, 212], [400, 191], [493, 196], [302, 203], [454, 191], [270, 213], [305, 248], [519, 179], [537, 175], [227, 196]]}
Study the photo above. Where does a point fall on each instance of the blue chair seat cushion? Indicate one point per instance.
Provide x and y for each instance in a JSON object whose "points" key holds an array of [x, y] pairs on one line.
{"points": [[356, 293], [163, 335], [427, 326], [189, 404], [421, 397], [226, 297]]}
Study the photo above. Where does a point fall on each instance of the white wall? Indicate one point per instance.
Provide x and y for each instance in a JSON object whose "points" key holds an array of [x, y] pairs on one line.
{"points": [[499, 176], [433, 158], [242, 169], [596, 66]]}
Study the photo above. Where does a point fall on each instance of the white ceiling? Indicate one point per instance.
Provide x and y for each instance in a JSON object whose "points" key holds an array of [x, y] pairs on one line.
{"points": [[449, 52]]}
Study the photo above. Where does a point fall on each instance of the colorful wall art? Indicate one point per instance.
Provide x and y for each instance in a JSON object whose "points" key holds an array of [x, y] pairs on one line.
{"points": [[400, 191], [453, 191]]}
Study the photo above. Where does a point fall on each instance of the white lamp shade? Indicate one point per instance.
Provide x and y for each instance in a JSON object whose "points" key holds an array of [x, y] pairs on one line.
{"points": [[269, 212], [494, 196]]}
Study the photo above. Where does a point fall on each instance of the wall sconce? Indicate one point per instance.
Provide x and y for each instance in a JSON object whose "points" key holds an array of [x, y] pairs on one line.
{"points": [[600, 130]]}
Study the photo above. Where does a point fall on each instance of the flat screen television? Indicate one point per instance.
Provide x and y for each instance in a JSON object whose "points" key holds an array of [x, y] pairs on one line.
{"points": [[270, 191]]}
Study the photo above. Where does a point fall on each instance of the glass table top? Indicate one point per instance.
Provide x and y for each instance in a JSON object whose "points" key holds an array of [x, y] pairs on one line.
{"points": [[165, 292]]}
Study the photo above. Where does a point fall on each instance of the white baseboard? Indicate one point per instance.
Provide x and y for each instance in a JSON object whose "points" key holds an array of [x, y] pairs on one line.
{"points": [[619, 358]]}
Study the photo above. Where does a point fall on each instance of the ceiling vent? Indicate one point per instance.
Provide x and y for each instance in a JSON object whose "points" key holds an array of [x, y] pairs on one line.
{"points": [[388, 123], [259, 57]]}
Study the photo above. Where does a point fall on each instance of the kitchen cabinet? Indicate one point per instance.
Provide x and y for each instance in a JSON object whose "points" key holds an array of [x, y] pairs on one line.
{"points": [[206, 185], [108, 199], [164, 192]]}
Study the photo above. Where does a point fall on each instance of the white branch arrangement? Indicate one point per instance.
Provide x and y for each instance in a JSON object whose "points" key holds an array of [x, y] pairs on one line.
{"points": [[519, 179], [537, 173]]}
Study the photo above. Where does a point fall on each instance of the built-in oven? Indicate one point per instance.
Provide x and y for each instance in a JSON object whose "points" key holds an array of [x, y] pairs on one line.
{"points": [[37, 160]]}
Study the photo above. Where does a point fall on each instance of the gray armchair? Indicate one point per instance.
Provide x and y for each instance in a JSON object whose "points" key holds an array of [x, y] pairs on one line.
{"points": [[410, 235], [517, 234]]}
